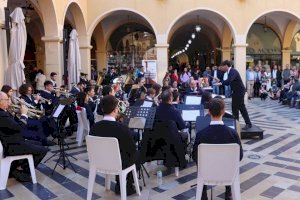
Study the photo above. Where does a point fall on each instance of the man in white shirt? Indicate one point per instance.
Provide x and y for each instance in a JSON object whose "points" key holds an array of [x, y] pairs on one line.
{"points": [[250, 82]]}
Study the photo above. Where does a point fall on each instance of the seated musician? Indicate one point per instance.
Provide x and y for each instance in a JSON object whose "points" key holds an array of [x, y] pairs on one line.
{"points": [[166, 111], [8, 90], [193, 89], [91, 95], [108, 127], [136, 90], [26, 92], [206, 98], [216, 133], [176, 100], [79, 87], [82, 101], [48, 93], [14, 143], [107, 90]]}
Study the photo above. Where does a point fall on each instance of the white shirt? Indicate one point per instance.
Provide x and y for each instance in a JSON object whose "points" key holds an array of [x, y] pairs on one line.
{"points": [[215, 74], [225, 77], [216, 123], [109, 118], [274, 74]]}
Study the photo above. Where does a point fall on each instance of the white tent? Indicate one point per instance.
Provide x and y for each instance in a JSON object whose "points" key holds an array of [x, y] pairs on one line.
{"points": [[74, 60], [15, 76]]}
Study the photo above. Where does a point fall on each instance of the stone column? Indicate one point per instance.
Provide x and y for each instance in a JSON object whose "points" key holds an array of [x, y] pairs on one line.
{"points": [[101, 60], [85, 52], [162, 61], [226, 53], [54, 57], [240, 59], [286, 57]]}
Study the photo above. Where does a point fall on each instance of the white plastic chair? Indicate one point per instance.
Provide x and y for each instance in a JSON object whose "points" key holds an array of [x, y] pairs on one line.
{"points": [[83, 127], [218, 164], [104, 157], [5, 167]]}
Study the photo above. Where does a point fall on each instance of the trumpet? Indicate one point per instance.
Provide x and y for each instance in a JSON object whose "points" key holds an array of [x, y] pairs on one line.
{"points": [[43, 99], [62, 91], [21, 101], [31, 112], [122, 105]]}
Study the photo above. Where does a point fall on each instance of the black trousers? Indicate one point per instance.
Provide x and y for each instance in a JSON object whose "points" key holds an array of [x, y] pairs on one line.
{"points": [[239, 105], [27, 147]]}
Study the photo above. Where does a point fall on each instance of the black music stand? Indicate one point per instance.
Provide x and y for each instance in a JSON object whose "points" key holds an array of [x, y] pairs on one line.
{"points": [[149, 114], [58, 111]]}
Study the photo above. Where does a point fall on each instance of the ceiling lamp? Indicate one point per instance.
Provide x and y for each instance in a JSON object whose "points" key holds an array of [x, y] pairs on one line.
{"points": [[190, 41], [193, 35], [185, 48], [198, 28], [187, 45]]}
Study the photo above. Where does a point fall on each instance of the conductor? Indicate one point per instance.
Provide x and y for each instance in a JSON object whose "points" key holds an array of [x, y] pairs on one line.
{"points": [[238, 92]]}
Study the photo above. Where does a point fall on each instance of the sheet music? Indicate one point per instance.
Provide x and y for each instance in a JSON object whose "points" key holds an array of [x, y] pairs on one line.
{"points": [[190, 115], [58, 110], [193, 100], [147, 104]]}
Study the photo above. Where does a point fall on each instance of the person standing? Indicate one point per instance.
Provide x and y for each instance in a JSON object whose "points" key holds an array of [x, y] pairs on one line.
{"points": [[238, 92], [286, 74], [250, 82], [40, 80]]}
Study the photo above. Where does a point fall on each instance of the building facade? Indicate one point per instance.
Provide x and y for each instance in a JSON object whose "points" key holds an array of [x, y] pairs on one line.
{"points": [[96, 21]]}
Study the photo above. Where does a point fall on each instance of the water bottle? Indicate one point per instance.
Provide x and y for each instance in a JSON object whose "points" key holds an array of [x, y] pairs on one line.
{"points": [[159, 178]]}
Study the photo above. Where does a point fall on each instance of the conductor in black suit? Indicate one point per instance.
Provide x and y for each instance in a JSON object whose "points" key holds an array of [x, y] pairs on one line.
{"points": [[238, 92], [109, 127], [14, 143]]}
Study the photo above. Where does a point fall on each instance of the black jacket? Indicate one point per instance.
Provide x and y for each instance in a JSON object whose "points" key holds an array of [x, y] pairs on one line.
{"points": [[117, 130], [10, 131], [235, 81], [216, 134]]}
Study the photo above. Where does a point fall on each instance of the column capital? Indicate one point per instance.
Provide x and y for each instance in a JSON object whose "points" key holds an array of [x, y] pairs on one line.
{"points": [[240, 45], [286, 50], [52, 39], [162, 45], [226, 49], [99, 51]]}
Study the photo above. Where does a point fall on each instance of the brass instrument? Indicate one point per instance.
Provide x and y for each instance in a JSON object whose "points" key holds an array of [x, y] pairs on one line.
{"points": [[43, 99], [100, 78], [21, 101], [31, 112], [122, 105], [62, 91]]}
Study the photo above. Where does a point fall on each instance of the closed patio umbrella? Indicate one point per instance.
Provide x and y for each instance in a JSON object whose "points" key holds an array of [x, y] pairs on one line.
{"points": [[74, 59], [15, 76]]}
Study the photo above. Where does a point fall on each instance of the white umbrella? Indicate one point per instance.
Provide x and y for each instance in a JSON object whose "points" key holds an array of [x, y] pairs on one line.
{"points": [[15, 76], [74, 60]]}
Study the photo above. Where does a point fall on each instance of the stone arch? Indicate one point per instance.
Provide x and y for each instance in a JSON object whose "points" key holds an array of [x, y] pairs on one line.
{"points": [[225, 19]]}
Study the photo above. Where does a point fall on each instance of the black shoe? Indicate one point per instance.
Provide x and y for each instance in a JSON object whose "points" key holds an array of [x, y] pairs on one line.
{"points": [[21, 176], [248, 126], [204, 196], [228, 195]]}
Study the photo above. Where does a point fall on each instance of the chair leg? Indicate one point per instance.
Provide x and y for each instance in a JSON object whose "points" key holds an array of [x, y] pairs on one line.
{"points": [[4, 172], [136, 182], [123, 183], [200, 185], [176, 171], [32, 169], [107, 182], [92, 176], [236, 190]]}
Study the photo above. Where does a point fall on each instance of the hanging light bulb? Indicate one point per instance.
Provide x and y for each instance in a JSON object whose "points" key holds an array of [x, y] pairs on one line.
{"points": [[187, 45], [190, 41], [198, 28], [193, 35], [185, 48]]}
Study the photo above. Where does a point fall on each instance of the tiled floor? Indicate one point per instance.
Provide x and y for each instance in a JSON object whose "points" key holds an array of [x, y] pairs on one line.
{"points": [[270, 168]]}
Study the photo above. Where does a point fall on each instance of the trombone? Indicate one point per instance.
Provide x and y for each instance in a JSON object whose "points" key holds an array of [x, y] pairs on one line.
{"points": [[44, 99], [21, 101]]}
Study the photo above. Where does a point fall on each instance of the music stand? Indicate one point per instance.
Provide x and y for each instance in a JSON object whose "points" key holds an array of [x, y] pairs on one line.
{"points": [[57, 113], [140, 112]]}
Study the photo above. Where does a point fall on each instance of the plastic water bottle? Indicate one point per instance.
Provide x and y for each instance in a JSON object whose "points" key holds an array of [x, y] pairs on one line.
{"points": [[159, 178]]}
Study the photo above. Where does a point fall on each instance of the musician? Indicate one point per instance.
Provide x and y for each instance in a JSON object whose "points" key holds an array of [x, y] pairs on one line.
{"points": [[166, 111], [48, 93], [108, 127], [238, 92], [8, 90], [26, 91], [13, 142], [216, 133], [146, 97], [82, 101], [79, 87], [107, 90], [91, 95], [137, 89], [53, 78], [176, 98], [83, 78], [193, 89]]}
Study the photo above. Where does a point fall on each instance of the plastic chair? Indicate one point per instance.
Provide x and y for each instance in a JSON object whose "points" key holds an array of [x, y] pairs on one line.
{"points": [[218, 164], [5, 167], [83, 128], [104, 157]]}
